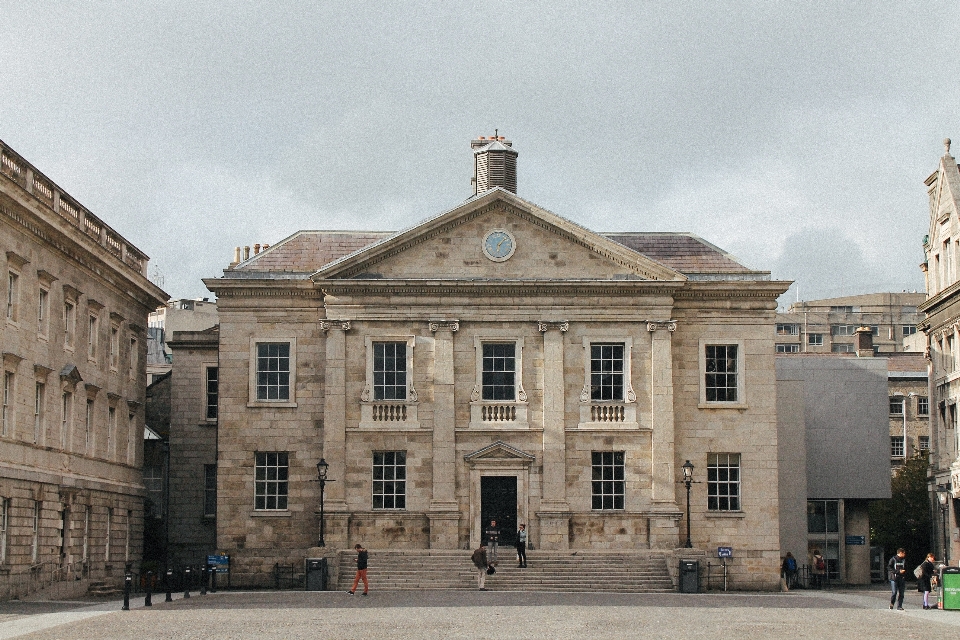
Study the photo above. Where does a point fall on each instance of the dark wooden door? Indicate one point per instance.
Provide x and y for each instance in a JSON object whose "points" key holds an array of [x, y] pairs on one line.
{"points": [[498, 501]]}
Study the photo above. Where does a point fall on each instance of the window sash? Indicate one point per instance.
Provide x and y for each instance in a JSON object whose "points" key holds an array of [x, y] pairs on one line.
{"points": [[212, 392], [896, 446], [723, 482], [389, 370], [606, 371], [271, 481], [720, 377], [210, 490], [389, 479], [273, 371], [498, 373], [815, 339], [607, 484]]}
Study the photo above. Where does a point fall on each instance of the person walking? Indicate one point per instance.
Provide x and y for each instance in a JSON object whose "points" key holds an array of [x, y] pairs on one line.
{"points": [[925, 579], [789, 570], [819, 568], [897, 574], [479, 559], [361, 561], [522, 547], [493, 539]]}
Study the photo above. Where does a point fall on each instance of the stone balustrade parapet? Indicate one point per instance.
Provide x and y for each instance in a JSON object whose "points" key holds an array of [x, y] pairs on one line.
{"points": [[34, 182]]}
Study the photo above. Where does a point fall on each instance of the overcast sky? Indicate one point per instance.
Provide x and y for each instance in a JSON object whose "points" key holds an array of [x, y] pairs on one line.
{"points": [[794, 135]]}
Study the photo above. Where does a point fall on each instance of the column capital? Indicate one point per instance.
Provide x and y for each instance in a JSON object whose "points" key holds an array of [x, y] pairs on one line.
{"points": [[669, 325], [445, 325], [562, 326], [343, 325]]}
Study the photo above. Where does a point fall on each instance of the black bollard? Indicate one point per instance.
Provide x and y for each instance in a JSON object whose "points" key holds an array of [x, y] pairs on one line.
{"points": [[203, 580], [169, 585], [186, 582], [127, 581], [213, 579], [148, 600]]}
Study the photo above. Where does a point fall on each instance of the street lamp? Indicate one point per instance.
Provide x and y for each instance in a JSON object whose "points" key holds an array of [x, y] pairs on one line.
{"points": [[688, 480], [322, 468], [943, 497]]}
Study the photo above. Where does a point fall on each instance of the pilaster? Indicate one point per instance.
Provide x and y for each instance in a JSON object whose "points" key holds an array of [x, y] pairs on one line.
{"points": [[335, 412], [661, 412], [444, 510]]}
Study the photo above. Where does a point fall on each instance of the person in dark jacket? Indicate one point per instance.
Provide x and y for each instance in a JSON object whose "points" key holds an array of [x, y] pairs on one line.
{"points": [[522, 547], [493, 540], [362, 557], [479, 559], [924, 582], [897, 574], [789, 570]]}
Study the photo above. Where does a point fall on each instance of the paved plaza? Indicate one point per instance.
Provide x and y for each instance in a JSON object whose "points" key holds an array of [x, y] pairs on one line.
{"points": [[471, 614]]}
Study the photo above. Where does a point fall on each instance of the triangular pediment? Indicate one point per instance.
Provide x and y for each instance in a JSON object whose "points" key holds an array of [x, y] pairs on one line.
{"points": [[499, 450], [456, 245]]}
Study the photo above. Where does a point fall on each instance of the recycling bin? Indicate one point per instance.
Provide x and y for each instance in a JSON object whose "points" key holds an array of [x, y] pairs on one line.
{"points": [[950, 587], [315, 575], [689, 576]]}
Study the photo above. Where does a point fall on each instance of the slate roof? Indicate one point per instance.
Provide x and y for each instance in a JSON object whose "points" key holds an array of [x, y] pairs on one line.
{"points": [[683, 252], [307, 251]]}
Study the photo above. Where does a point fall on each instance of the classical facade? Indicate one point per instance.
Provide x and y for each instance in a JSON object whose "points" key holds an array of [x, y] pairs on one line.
{"points": [[942, 327], [495, 361], [73, 342]]}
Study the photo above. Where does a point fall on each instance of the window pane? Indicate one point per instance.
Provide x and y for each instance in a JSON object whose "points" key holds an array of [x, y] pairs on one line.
{"points": [[389, 488], [606, 371], [723, 481], [389, 371], [607, 486], [273, 371]]}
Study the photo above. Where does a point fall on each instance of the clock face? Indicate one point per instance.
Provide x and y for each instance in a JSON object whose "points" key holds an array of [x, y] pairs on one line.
{"points": [[499, 245]]}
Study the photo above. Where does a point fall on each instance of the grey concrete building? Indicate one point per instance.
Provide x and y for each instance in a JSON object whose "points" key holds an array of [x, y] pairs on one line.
{"points": [[73, 345]]}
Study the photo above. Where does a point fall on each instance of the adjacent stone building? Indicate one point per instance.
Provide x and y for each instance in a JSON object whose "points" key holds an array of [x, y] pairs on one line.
{"points": [[494, 361], [73, 343]]}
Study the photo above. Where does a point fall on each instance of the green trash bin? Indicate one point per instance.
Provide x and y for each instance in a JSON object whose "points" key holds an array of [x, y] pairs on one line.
{"points": [[950, 588]]}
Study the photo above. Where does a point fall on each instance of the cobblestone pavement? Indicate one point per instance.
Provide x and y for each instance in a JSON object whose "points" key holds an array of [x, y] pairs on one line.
{"points": [[470, 614]]}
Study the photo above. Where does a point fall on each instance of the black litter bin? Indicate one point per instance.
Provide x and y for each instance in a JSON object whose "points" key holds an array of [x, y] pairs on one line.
{"points": [[316, 574], [689, 576]]}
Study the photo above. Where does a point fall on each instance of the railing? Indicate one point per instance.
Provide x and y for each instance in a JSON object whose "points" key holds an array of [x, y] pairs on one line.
{"points": [[498, 413], [389, 412], [22, 581], [45, 191], [607, 413]]}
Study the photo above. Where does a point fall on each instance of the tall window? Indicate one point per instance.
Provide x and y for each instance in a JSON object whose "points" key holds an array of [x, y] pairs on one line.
{"points": [[43, 312], [126, 537], [66, 417], [93, 323], [896, 446], [212, 392], [815, 339], [39, 414], [13, 291], [35, 544], [720, 378], [7, 426], [389, 479], [723, 482], [499, 371], [607, 480], [923, 443], [111, 430], [4, 527], [153, 482], [114, 346], [273, 371], [210, 490], [134, 356], [823, 532], [270, 486], [86, 534], [606, 371], [106, 540], [389, 371], [923, 406], [88, 427], [69, 323]]}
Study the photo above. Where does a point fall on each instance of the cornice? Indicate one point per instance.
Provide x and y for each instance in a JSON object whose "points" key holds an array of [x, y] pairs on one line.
{"points": [[526, 288], [262, 288]]}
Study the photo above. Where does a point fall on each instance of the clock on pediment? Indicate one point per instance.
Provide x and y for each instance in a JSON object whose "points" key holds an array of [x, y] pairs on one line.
{"points": [[499, 245]]}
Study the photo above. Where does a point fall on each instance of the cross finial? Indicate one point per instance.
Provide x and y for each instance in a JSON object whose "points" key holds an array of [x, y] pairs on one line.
{"points": [[946, 146], [496, 134]]}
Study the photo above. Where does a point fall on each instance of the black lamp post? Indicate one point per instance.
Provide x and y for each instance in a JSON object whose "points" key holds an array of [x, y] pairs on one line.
{"points": [[943, 498], [322, 468], [688, 480]]}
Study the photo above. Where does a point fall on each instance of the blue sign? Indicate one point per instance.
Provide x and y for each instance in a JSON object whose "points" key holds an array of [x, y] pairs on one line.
{"points": [[724, 552], [220, 564], [856, 540]]}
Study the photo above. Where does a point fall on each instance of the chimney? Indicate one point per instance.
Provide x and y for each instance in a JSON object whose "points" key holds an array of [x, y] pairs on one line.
{"points": [[494, 164], [864, 342]]}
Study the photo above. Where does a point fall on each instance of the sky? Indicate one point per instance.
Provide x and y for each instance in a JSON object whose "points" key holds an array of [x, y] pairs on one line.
{"points": [[794, 135]]}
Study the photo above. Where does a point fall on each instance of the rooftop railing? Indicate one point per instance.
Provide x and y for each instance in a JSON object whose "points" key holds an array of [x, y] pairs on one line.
{"points": [[46, 191]]}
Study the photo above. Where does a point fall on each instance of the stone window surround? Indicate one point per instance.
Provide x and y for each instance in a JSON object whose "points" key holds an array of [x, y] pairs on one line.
{"points": [[15, 265], [739, 483], [204, 392], [9, 390], [590, 410], [116, 322], [741, 402], [252, 401], [71, 300], [518, 407], [389, 415]]}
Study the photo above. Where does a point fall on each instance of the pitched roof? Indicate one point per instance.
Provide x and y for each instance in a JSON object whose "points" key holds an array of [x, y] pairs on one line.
{"points": [[307, 251], [684, 252]]}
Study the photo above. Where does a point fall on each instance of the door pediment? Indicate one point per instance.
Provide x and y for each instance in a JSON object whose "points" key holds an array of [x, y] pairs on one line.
{"points": [[499, 452]]}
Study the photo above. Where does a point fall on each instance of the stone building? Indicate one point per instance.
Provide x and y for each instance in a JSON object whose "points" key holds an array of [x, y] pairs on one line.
{"points": [[829, 325], [73, 343], [177, 315], [941, 325], [494, 361]]}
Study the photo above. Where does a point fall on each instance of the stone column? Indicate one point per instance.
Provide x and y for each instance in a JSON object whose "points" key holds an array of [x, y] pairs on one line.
{"points": [[334, 432], [664, 529], [444, 512], [554, 514]]}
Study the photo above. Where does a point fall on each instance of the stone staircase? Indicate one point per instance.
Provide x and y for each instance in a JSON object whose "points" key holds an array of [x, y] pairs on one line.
{"points": [[102, 589], [622, 572]]}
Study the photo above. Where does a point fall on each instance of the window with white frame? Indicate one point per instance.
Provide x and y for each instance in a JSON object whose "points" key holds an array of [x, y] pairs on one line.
{"points": [[273, 371], [896, 446], [815, 339], [498, 375], [787, 329], [212, 392], [842, 309], [909, 330], [788, 348], [923, 443], [606, 371], [896, 405], [607, 399], [389, 479], [389, 371], [607, 485], [498, 399], [923, 406], [8, 391], [842, 348], [210, 490], [721, 373], [843, 329], [723, 482], [271, 482]]}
